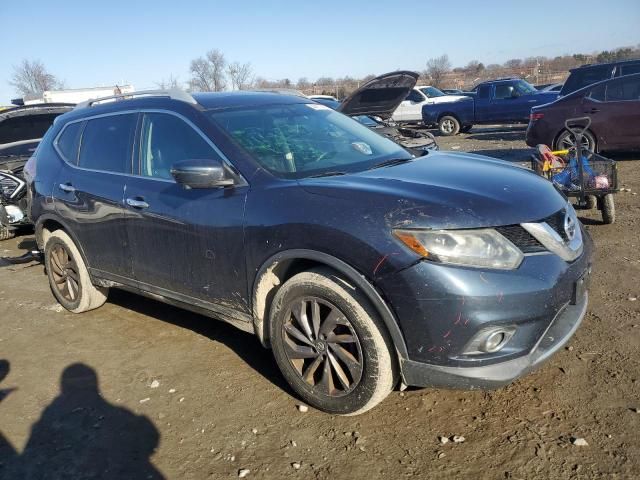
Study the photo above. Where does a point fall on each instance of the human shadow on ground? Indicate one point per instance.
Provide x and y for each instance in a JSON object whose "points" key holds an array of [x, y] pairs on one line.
{"points": [[81, 435]]}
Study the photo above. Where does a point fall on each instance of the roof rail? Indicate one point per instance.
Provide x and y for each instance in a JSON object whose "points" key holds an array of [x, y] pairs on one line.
{"points": [[174, 94]]}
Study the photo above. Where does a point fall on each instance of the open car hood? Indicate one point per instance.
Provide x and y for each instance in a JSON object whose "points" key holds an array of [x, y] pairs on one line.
{"points": [[380, 96]]}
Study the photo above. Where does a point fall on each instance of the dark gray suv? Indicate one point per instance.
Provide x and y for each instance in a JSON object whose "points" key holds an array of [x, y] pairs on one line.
{"points": [[361, 266]]}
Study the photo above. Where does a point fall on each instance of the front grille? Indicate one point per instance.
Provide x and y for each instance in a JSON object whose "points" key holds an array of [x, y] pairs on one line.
{"points": [[521, 238]]}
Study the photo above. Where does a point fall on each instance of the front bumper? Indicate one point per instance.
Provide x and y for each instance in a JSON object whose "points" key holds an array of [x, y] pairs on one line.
{"points": [[497, 375], [442, 308]]}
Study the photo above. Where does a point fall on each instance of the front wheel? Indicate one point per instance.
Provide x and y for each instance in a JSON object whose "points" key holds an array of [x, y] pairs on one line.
{"points": [[330, 344], [449, 125], [68, 275]]}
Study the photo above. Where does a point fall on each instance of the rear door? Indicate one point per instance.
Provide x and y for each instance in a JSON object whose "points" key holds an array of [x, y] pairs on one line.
{"points": [[618, 117], [187, 244], [88, 193]]}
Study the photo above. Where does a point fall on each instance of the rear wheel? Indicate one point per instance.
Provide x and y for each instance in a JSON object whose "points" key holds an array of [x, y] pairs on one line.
{"points": [[449, 125], [567, 140], [608, 208], [68, 275], [330, 344]]}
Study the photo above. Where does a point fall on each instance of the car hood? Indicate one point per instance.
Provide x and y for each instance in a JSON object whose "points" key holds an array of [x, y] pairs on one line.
{"points": [[380, 96], [446, 190]]}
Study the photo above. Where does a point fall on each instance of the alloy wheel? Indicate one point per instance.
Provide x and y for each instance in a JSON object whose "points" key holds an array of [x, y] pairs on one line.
{"points": [[568, 142], [322, 346], [65, 274], [447, 126]]}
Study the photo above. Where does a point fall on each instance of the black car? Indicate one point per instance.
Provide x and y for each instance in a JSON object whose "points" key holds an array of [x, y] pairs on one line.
{"points": [[359, 264], [21, 129], [589, 74]]}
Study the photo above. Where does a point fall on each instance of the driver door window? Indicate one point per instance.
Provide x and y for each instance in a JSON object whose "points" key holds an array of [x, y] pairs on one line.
{"points": [[165, 140], [414, 97]]}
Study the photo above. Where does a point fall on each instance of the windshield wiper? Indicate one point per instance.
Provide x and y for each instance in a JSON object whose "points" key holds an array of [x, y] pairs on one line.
{"points": [[391, 162], [327, 174]]}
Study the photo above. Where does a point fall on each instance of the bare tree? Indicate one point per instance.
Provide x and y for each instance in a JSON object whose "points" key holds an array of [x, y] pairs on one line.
{"points": [[241, 75], [169, 83], [303, 83], [207, 74], [437, 68], [31, 77], [513, 63]]}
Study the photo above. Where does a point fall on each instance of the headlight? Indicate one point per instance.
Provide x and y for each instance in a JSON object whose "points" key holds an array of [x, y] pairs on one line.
{"points": [[484, 248]]}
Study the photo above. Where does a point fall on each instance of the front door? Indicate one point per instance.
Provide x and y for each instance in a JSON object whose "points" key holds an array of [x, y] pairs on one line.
{"points": [[184, 243]]}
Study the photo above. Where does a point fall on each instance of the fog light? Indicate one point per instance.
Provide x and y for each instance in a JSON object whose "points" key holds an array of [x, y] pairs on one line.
{"points": [[494, 342], [489, 340]]}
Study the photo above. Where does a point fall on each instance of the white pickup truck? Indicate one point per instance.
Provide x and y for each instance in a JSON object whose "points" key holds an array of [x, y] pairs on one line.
{"points": [[410, 110]]}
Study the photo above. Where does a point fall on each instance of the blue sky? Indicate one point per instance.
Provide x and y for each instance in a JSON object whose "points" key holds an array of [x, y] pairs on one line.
{"points": [[88, 43]]}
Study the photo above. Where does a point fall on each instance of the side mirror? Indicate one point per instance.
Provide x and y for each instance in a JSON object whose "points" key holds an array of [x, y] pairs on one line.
{"points": [[514, 93], [201, 174]]}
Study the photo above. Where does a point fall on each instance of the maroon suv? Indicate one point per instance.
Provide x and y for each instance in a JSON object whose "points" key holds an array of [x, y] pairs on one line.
{"points": [[614, 108]]}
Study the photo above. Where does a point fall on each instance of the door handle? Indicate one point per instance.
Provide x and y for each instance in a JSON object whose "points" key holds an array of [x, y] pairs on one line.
{"points": [[593, 110], [135, 203], [67, 187]]}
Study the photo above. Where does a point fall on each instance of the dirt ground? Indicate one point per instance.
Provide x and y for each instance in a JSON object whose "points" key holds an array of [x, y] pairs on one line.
{"points": [[182, 396]]}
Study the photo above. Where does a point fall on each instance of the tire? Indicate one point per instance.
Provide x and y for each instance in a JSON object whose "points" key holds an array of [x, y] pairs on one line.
{"points": [[608, 209], [5, 233], [592, 202], [566, 140], [448, 126], [363, 336], [68, 275], [466, 128]]}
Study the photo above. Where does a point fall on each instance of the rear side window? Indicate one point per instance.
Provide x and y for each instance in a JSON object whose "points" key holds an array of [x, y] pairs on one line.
{"points": [[166, 139], [106, 143], [503, 91], [69, 141], [624, 89]]}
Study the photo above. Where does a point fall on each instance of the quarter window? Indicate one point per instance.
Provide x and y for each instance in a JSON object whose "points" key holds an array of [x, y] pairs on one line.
{"points": [[598, 93], [69, 141], [165, 140], [106, 143]]}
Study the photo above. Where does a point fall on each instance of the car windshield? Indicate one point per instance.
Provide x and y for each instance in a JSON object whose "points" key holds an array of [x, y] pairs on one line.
{"points": [[524, 88], [432, 92], [367, 120], [303, 140]]}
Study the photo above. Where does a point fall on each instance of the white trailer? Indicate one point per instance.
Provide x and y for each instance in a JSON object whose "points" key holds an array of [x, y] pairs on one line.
{"points": [[78, 95]]}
